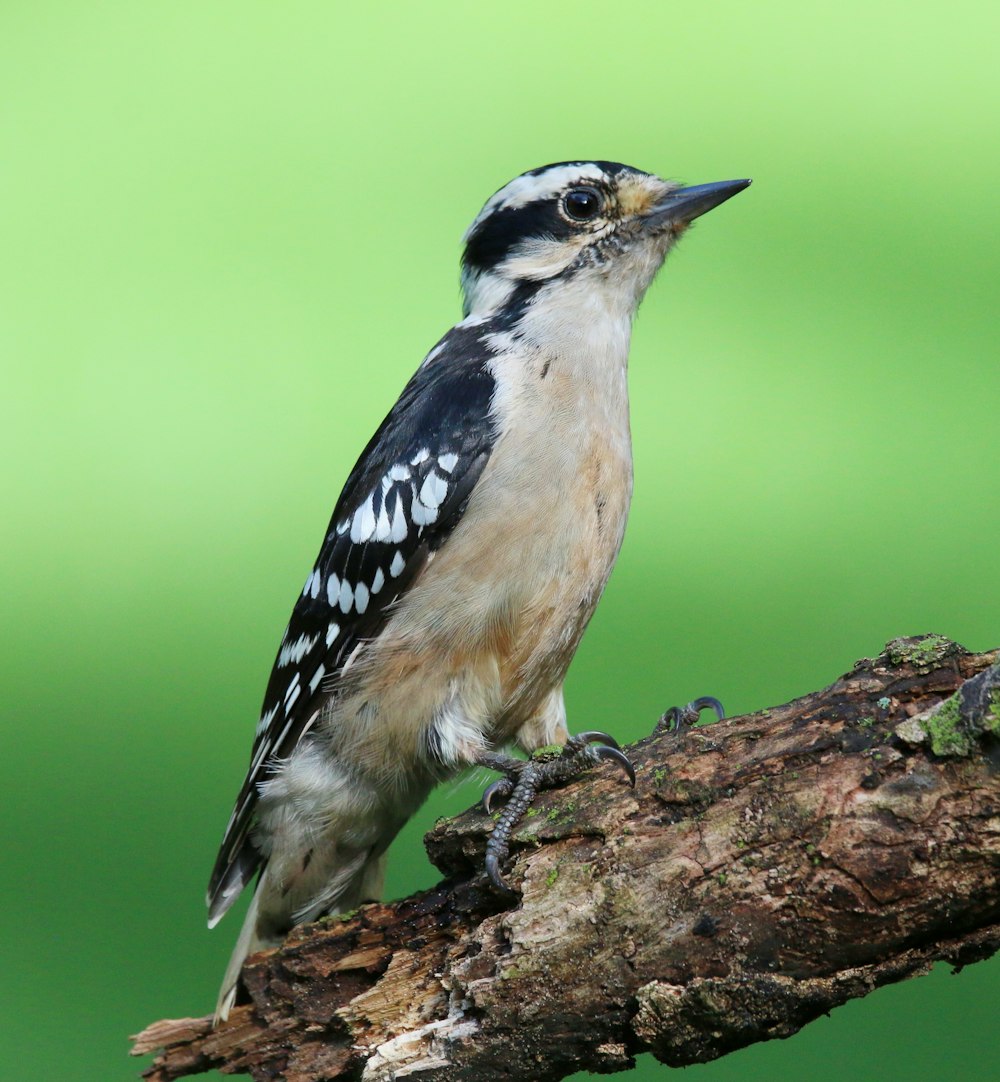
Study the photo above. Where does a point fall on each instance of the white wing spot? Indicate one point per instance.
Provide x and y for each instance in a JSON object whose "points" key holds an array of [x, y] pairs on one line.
{"points": [[423, 516], [383, 528], [332, 631], [363, 523], [342, 527], [346, 596], [296, 651], [317, 676], [378, 581], [311, 587], [397, 565], [293, 691], [421, 456], [447, 462], [266, 719], [332, 589], [398, 531], [433, 490], [418, 512], [399, 472], [361, 597]]}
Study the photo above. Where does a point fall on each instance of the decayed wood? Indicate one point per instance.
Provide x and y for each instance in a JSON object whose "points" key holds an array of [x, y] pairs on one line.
{"points": [[764, 870]]}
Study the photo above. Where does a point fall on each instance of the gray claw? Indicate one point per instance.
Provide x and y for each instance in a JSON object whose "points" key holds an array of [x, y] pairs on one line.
{"points": [[522, 779], [679, 719], [616, 755], [707, 702], [501, 788], [594, 737], [492, 863]]}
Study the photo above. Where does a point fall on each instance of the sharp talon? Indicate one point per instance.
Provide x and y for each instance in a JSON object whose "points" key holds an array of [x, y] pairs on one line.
{"points": [[492, 863], [706, 702], [501, 788], [521, 780], [679, 718], [594, 737], [615, 755], [671, 720]]}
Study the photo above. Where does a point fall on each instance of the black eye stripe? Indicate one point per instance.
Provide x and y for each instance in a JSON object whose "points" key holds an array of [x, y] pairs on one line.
{"points": [[549, 216], [506, 228]]}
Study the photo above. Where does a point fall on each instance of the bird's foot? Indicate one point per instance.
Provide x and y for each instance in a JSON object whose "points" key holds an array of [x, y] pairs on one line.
{"points": [[523, 778], [679, 719]]}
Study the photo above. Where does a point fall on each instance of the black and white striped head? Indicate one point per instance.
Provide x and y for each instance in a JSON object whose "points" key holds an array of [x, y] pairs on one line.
{"points": [[600, 220]]}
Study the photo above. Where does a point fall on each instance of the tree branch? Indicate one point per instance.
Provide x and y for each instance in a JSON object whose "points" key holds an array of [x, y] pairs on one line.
{"points": [[764, 870]]}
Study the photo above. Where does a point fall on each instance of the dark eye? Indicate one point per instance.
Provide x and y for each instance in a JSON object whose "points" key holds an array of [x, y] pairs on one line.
{"points": [[582, 204]]}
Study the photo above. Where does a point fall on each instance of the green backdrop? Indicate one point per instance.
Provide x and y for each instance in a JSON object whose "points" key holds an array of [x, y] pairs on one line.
{"points": [[229, 233]]}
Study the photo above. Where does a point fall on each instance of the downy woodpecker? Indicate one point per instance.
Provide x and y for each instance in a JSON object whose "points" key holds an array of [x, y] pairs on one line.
{"points": [[465, 556]]}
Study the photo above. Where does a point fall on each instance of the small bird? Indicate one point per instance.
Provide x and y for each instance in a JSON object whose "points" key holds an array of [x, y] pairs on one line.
{"points": [[466, 555]]}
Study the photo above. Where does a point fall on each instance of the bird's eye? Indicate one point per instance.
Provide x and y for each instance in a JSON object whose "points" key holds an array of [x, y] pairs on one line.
{"points": [[582, 204]]}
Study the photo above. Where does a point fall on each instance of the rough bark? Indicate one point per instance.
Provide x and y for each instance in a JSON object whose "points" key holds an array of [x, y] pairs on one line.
{"points": [[765, 869]]}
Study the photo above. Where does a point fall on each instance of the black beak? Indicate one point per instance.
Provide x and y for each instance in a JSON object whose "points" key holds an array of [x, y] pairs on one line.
{"points": [[685, 204]]}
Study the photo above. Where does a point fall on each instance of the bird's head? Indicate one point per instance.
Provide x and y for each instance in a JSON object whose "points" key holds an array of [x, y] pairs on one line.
{"points": [[601, 224]]}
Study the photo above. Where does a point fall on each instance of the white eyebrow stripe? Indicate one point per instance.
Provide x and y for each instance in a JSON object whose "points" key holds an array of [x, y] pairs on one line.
{"points": [[527, 188]]}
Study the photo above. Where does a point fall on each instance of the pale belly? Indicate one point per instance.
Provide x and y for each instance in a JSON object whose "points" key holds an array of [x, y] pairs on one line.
{"points": [[479, 648]]}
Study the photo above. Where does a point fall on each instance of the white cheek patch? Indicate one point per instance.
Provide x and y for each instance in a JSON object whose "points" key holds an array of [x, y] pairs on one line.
{"points": [[542, 257]]}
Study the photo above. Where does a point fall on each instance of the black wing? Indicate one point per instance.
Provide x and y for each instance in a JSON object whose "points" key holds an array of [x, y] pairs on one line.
{"points": [[403, 498]]}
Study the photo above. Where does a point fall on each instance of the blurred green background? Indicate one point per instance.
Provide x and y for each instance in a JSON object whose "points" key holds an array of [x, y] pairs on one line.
{"points": [[231, 230]]}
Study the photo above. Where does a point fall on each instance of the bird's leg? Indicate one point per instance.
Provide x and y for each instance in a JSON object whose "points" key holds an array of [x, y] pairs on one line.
{"points": [[523, 778], [678, 719]]}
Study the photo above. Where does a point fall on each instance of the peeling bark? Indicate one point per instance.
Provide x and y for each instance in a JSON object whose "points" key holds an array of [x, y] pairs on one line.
{"points": [[765, 869]]}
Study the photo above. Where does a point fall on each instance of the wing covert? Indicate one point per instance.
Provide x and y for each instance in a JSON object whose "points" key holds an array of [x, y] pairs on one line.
{"points": [[405, 495]]}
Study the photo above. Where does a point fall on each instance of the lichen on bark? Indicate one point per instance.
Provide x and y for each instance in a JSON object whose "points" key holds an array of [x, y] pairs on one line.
{"points": [[764, 870]]}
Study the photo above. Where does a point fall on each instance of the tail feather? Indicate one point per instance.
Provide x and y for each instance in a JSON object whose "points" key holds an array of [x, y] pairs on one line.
{"points": [[229, 878], [248, 942], [358, 881]]}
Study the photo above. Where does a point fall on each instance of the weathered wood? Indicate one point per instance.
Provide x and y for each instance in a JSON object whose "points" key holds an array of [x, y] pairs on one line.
{"points": [[764, 870]]}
